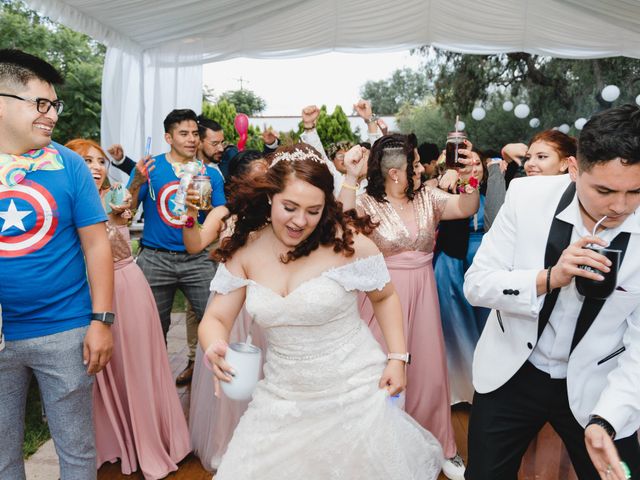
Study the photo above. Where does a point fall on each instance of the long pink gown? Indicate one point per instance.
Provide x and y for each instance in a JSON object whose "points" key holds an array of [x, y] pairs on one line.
{"points": [[408, 252], [137, 414]]}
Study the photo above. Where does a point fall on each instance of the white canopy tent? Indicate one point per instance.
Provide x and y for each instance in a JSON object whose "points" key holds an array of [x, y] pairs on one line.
{"points": [[156, 48]]}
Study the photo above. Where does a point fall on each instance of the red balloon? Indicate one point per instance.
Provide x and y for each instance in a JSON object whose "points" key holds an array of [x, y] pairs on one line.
{"points": [[241, 123], [242, 142]]}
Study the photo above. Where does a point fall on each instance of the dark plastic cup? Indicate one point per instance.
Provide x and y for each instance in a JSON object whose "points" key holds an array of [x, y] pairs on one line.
{"points": [[600, 289]]}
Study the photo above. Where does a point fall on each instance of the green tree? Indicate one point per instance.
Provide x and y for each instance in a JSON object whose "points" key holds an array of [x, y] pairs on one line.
{"points": [[333, 128], [404, 87], [557, 90], [225, 113], [77, 56], [245, 101], [430, 124], [426, 120]]}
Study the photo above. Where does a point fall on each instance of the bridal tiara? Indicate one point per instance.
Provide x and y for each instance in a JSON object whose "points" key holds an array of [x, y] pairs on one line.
{"points": [[295, 156]]}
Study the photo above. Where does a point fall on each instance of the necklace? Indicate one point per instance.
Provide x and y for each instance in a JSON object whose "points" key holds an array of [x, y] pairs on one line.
{"points": [[400, 205]]}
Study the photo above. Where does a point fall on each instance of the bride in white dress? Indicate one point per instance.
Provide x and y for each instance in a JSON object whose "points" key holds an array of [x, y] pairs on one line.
{"points": [[322, 410]]}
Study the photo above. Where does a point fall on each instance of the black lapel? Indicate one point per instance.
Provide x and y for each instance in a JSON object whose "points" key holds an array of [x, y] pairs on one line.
{"points": [[592, 306], [559, 239]]}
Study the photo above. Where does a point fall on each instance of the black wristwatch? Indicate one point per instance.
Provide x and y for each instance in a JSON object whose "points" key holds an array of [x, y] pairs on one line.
{"points": [[104, 317], [601, 422]]}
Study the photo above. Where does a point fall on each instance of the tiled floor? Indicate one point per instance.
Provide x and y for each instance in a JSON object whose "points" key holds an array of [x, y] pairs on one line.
{"points": [[546, 459]]}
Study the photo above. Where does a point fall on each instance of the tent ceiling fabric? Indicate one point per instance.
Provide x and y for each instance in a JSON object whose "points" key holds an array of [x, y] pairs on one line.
{"points": [[221, 29], [156, 48]]}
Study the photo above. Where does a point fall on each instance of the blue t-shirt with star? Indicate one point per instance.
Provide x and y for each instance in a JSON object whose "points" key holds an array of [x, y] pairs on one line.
{"points": [[162, 225], [43, 287]]}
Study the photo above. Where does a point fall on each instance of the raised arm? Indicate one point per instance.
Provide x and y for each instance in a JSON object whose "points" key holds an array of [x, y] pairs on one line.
{"points": [[364, 111], [141, 174], [354, 161], [467, 202], [120, 160]]}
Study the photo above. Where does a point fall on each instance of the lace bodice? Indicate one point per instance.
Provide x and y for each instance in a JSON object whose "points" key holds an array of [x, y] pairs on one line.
{"points": [[325, 305], [319, 413], [392, 236]]}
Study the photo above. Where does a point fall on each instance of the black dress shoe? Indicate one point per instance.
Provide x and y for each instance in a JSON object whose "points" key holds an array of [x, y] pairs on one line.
{"points": [[185, 376]]}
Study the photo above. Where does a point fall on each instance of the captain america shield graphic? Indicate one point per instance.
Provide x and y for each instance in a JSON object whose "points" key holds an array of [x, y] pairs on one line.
{"points": [[166, 205], [28, 218]]}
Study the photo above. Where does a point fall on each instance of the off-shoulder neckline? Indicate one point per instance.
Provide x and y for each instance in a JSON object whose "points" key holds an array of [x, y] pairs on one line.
{"points": [[322, 274]]}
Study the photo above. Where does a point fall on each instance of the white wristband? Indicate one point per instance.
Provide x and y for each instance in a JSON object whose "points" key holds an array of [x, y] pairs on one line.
{"points": [[404, 357]]}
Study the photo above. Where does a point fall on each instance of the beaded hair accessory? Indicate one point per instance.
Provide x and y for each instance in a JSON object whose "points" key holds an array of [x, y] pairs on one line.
{"points": [[295, 156]]}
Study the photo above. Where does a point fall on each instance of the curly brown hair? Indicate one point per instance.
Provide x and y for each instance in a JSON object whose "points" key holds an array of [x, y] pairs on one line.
{"points": [[375, 175], [249, 202]]}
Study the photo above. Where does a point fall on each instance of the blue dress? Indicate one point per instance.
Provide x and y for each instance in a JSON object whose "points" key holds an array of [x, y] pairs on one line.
{"points": [[462, 324]]}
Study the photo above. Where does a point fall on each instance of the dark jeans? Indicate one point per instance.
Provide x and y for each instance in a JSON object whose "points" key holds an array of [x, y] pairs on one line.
{"points": [[504, 422]]}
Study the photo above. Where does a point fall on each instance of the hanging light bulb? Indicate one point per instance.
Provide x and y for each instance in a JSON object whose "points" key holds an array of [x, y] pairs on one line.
{"points": [[610, 93], [564, 128], [522, 110], [534, 123], [507, 106], [579, 123], [460, 125], [478, 113]]}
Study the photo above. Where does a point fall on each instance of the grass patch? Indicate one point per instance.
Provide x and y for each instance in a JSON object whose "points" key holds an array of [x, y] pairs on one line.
{"points": [[179, 302], [36, 430]]}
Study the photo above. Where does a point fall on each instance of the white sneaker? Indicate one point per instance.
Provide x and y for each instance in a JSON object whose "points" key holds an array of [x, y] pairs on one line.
{"points": [[453, 468]]}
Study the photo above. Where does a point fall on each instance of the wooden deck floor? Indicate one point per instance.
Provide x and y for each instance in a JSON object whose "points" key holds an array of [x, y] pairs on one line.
{"points": [[546, 459]]}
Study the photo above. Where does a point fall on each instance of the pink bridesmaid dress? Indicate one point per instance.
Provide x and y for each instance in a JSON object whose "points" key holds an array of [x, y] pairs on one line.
{"points": [[137, 413], [408, 252]]}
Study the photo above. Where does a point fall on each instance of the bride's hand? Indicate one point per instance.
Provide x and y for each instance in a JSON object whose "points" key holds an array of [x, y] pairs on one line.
{"points": [[221, 369], [394, 378]]}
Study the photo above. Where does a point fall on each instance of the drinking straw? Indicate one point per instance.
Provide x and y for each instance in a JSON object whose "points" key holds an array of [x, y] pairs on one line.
{"points": [[598, 223]]}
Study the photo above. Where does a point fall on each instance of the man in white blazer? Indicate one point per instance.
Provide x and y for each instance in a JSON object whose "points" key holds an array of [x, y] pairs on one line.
{"points": [[547, 353]]}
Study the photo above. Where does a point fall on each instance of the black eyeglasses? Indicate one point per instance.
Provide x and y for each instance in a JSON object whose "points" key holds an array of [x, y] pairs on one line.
{"points": [[43, 105]]}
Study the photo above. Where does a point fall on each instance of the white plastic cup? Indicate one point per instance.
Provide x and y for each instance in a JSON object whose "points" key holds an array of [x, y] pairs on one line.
{"points": [[244, 359]]}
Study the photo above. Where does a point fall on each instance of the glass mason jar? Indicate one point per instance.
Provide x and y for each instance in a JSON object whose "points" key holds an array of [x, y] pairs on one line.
{"points": [[455, 141], [202, 183]]}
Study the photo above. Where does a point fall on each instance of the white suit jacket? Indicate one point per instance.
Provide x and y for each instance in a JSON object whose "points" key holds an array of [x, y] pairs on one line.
{"points": [[603, 372]]}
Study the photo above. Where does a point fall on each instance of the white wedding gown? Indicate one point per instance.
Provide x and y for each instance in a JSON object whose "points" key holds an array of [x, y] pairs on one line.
{"points": [[318, 413]]}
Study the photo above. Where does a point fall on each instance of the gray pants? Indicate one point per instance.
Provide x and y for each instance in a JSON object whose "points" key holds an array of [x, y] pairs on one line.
{"points": [[66, 389], [167, 272]]}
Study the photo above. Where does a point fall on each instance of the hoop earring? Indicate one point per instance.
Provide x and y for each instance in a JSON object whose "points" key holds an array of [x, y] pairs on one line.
{"points": [[395, 180]]}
